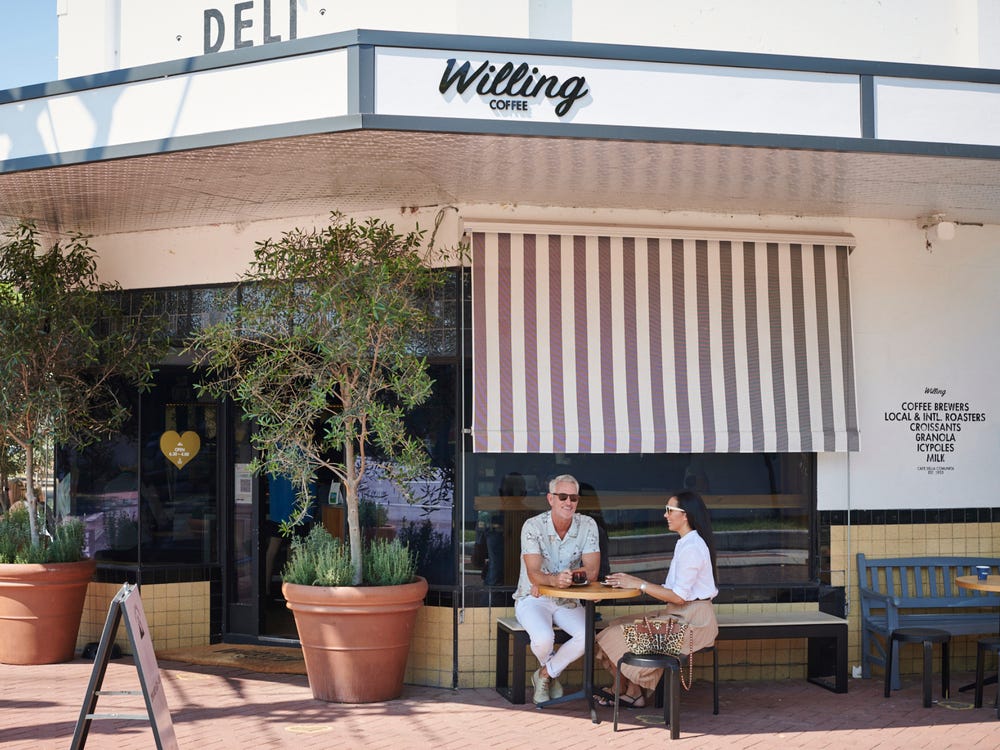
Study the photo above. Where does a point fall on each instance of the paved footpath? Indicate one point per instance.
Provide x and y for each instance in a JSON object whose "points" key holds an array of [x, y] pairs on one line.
{"points": [[216, 708]]}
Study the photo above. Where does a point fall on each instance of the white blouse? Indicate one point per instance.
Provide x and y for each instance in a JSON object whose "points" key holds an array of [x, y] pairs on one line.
{"points": [[690, 574]]}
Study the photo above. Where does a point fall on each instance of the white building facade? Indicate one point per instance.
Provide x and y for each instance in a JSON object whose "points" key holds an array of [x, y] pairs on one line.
{"points": [[751, 248]]}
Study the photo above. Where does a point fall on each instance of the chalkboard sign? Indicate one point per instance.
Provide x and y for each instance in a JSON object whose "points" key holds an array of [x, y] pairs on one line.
{"points": [[128, 605]]}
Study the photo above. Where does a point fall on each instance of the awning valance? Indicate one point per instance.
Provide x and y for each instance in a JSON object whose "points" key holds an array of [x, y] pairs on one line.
{"points": [[590, 343]]}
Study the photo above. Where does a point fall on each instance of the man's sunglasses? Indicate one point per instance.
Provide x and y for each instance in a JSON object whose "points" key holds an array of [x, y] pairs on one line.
{"points": [[566, 496]]}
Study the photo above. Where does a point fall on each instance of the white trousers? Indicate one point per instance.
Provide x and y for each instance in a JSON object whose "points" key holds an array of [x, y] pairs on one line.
{"points": [[538, 615]]}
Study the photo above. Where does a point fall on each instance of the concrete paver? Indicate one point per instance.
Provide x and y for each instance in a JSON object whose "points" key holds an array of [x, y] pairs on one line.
{"points": [[219, 708]]}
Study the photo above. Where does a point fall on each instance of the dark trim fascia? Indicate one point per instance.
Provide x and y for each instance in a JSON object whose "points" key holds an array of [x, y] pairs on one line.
{"points": [[678, 136], [677, 55], [501, 45], [184, 143], [183, 66], [868, 107], [363, 94]]}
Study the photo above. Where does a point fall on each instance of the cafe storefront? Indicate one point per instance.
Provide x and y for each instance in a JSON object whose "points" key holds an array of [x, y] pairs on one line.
{"points": [[686, 268]]}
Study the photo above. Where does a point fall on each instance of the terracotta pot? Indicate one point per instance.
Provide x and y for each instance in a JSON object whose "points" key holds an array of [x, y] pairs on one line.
{"points": [[355, 639], [40, 610]]}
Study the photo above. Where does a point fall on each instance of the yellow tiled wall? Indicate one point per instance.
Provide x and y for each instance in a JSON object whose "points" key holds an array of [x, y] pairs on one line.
{"points": [[432, 648], [177, 613], [776, 659], [738, 660]]}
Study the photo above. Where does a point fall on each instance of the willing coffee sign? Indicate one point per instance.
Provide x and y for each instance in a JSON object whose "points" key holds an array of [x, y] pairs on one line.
{"points": [[513, 87]]}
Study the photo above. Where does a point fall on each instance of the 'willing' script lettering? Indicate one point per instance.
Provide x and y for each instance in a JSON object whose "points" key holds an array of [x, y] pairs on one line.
{"points": [[514, 81]]}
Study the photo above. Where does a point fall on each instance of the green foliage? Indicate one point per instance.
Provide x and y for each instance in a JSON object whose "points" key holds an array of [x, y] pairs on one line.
{"points": [[318, 559], [64, 545], [65, 348], [321, 353], [67, 541], [11, 458], [388, 563]]}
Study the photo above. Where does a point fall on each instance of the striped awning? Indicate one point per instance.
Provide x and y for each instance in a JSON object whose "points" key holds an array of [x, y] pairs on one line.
{"points": [[680, 343]]}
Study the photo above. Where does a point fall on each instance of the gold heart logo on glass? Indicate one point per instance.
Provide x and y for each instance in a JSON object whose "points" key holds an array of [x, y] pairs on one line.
{"points": [[180, 449]]}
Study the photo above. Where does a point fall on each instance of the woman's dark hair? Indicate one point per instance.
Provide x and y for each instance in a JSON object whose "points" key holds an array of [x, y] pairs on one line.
{"points": [[700, 520]]}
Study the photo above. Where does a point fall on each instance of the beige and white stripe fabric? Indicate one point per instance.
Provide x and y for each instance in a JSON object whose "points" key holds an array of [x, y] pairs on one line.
{"points": [[608, 343]]}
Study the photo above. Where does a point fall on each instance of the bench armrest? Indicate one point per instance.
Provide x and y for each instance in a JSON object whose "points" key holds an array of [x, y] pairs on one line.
{"points": [[877, 596]]}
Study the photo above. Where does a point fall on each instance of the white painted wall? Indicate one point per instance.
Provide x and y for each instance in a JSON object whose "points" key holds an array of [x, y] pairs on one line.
{"points": [[220, 253], [922, 319], [925, 319], [98, 35]]}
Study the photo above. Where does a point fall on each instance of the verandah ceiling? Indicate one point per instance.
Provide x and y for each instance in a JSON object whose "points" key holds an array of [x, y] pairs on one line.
{"points": [[370, 170]]}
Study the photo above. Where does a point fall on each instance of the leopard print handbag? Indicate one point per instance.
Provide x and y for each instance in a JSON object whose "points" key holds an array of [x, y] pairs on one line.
{"points": [[667, 636]]}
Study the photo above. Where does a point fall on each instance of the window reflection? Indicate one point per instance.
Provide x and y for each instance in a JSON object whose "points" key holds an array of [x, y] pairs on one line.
{"points": [[152, 500], [761, 506]]}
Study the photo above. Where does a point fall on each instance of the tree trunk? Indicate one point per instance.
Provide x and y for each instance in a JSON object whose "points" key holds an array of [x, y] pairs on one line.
{"points": [[29, 492], [353, 479]]}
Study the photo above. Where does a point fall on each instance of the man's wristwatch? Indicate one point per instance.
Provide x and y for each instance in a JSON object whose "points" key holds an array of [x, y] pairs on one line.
{"points": [[642, 588]]}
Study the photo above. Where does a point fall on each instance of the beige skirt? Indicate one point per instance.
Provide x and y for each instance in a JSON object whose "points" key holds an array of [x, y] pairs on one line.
{"points": [[610, 642]]}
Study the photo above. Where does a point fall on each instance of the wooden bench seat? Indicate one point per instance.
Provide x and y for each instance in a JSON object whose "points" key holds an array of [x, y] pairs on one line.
{"points": [[827, 636], [907, 592]]}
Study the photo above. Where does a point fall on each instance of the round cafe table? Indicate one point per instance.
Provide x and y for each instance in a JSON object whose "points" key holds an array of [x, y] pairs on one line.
{"points": [[589, 594], [991, 584]]}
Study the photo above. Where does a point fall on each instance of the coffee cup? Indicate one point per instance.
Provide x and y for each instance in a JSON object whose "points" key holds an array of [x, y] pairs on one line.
{"points": [[982, 572], [580, 576]]}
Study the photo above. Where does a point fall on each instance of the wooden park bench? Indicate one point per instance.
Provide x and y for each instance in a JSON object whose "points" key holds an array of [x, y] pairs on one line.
{"points": [[902, 592]]}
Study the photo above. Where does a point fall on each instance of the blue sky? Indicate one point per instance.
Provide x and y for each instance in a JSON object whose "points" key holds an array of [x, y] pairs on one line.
{"points": [[28, 42]]}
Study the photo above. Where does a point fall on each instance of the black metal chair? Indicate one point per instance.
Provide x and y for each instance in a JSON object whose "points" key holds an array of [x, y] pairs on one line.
{"points": [[984, 645], [670, 695], [928, 637]]}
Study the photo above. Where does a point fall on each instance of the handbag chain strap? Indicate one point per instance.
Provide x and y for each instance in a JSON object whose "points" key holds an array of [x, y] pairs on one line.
{"points": [[672, 623], [690, 680]]}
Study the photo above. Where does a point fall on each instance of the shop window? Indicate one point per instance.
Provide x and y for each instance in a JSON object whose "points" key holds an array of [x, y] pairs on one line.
{"points": [[149, 495], [761, 507]]}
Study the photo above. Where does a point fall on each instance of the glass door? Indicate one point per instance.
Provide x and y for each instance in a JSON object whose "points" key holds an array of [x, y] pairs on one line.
{"points": [[179, 474], [256, 551], [242, 558]]}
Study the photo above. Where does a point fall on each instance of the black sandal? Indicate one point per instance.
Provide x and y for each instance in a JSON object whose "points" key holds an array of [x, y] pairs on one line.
{"points": [[603, 698], [629, 701]]}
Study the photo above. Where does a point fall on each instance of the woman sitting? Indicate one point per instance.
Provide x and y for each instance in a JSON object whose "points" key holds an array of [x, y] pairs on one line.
{"points": [[688, 592]]}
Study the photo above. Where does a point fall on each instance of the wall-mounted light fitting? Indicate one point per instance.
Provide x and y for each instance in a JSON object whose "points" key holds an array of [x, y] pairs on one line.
{"points": [[936, 227]]}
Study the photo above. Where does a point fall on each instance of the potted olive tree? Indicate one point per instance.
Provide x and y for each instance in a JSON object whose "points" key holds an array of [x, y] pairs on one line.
{"points": [[66, 350], [321, 352]]}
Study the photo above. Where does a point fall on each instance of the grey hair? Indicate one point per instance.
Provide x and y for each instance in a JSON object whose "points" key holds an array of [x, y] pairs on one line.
{"points": [[563, 478]]}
